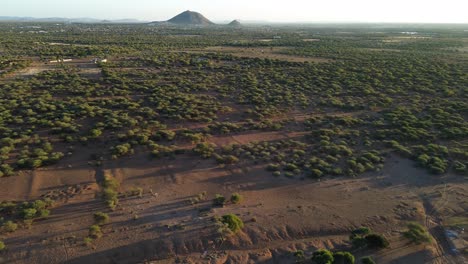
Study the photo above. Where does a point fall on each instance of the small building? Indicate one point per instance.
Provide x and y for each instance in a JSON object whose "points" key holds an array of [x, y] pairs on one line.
{"points": [[61, 60], [98, 60]]}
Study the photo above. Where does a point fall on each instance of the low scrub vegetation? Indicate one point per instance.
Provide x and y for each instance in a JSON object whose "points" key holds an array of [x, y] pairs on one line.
{"points": [[110, 192], [101, 218], [417, 234]]}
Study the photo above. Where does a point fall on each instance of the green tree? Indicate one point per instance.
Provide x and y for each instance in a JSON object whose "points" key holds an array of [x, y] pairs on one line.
{"points": [[322, 256], [343, 257], [376, 241], [367, 260]]}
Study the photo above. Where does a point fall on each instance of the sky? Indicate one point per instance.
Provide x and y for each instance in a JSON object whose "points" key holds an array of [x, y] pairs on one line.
{"points": [[426, 11]]}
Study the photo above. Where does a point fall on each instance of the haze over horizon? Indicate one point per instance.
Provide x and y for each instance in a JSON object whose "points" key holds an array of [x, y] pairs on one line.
{"points": [[417, 11]]}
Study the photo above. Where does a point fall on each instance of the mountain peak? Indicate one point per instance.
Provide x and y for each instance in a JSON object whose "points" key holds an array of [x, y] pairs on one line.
{"points": [[190, 18], [235, 23]]}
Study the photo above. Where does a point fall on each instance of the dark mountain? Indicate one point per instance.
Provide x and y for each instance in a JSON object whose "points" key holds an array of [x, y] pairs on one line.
{"points": [[190, 18], [235, 23]]}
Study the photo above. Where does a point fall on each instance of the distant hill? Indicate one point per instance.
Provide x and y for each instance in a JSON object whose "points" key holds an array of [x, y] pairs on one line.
{"points": [[235, 23], [66, 20], [190, 18]]}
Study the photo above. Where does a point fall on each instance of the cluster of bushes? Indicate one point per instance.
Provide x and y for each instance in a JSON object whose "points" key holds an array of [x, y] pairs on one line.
{"points": [[412, 98], [220, 200], [226, 159], [121, 150], [290, 157], [42, 155], [432, 157], [199, 198], [205, 150], [417, 234], [95, 231], [27, 212], [159, 151], [323, 256], [364, 238], [223, 128]]}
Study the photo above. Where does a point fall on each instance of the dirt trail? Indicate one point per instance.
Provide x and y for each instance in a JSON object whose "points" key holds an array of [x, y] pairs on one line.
{"points": [[33, 69], [435, 227]]}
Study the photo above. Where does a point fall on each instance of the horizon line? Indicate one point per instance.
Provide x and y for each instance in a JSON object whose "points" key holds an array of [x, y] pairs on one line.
{"points": [[248, 21]]}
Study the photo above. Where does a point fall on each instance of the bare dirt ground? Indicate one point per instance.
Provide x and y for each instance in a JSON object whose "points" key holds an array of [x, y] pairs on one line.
{"points": [[281, 214], [85, 68]]}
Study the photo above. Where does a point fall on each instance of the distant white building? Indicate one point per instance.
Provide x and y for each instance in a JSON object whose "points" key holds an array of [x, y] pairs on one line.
{"points": [[98, 60], [61, 60]]}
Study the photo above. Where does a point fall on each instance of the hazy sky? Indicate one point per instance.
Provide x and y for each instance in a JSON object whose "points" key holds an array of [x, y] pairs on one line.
{"points": [[445, 11]]}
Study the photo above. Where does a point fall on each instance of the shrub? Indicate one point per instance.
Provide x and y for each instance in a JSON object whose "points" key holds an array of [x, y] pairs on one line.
{"points": [[376, 241], [87, 241], [230, 159], [219, 200], [417, 234], [459, 167], [6, 170], [273, 167], [7, 207], [101, 218], [358, 242], [135, 191], [299, 255], [95, 133], [322, 256], [367, 260], [121, 150], [233, 222], [44, 213], [361, 231], [316, 173], [110, 182], [110, 197], [290, 167], [28, 213], [95, 231], [204, 149], [110, 194], [2, 246], [236, 198], [10, 226], [343, 258]]}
